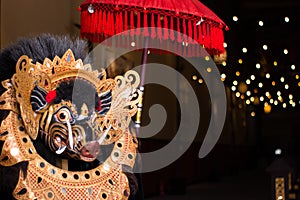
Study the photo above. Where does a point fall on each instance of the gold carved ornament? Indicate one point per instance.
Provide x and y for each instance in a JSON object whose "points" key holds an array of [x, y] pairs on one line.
{"points": [[21, 127]]}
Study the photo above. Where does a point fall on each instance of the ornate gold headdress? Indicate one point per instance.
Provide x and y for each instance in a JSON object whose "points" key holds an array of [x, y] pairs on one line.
{"points": [[43, 180]]}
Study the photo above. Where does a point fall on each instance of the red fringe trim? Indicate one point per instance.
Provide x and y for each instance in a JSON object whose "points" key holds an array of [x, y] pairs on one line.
{"points": [[103, 23]]}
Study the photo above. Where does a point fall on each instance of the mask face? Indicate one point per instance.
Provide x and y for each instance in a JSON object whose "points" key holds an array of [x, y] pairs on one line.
{"points": [[75, 112], [70, 112]]}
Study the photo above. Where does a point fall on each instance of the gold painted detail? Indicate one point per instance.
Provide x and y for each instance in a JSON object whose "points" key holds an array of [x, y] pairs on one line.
{"points": [[21, 126]]}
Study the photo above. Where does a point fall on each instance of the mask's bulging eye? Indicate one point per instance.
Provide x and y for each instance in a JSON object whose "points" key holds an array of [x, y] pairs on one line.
{"points": [[63, 115]]}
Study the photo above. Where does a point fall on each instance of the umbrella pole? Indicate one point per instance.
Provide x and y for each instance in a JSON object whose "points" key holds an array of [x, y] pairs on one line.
{"points": [[143, 74]]}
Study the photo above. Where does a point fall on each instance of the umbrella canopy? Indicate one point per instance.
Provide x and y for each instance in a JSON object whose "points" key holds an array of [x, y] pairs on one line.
{"points": [[196, 23]]}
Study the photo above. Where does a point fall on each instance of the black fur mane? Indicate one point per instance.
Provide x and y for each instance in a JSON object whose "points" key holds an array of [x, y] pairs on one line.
{"points": [[38, 48]]}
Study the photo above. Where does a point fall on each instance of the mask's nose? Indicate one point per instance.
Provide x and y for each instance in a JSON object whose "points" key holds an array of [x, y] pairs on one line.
{"points": [[91, 149]]}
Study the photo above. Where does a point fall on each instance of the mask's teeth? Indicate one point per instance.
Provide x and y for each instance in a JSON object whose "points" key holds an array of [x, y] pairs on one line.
{"points": [[61, 149], [71, 143]]}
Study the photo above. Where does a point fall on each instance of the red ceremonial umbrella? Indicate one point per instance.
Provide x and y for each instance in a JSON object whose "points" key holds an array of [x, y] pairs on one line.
{"points": [[186, 23], [104, 18]]}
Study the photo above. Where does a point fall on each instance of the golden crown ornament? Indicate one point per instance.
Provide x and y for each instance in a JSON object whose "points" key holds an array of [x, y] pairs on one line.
{"points": [[37, 107]]}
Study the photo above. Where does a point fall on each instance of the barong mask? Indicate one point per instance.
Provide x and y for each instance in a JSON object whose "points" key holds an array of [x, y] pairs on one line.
{"points": [[74, 110]]}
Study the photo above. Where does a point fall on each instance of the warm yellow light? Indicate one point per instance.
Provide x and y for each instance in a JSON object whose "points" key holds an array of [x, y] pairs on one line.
{"points": [[271, 101], [235, 83], [268, 75], [257, 66], [268, 94], [248, 93], [208, 69], [293, 67], [297, 76], [265, 47], [260, 85], [261, 98], [237, 94], [275, 102], [275, 63], [248, 81], [235, 18], [225, 45], [260, 23], [248, 102], [286, 86], [267, 108], [252, 77], [282, 79], [240, 61], [200, 81], [285, 51], [273, 83], [224, 63], [207, 58], [253, 114], [237, 73], [194, 77], [233, 88], [223, 77], [286, 19], [252, 99], [284, 105], [299, 84], [290, 96], [242, 96], [278, 93], [244, 50]]}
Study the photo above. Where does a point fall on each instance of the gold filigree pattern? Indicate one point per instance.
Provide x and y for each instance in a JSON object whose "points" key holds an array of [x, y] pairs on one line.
{"points": [[21, 126]]}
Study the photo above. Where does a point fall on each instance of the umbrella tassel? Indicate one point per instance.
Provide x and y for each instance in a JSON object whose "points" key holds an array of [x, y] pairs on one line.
{"points": [[178, 30], [146, 30], [220, 40], [172, 37], [95, 21], [138, 24], [104, 23], [195, 33], [166, 34], [131, 23], [159, 31], [199, 39], [125, 21], [117, 23], [100, 21], [113, 24], [190, 31], [184, 30], [204, 39], [120, 24], [153, 34]]}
